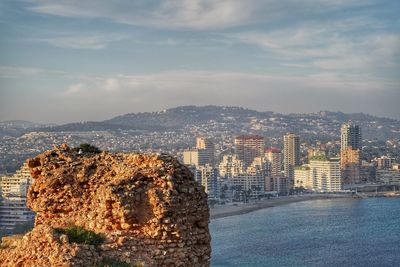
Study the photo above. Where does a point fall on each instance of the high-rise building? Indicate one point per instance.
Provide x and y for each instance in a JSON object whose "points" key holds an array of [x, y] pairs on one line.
{"points": [[208, 149], [275, 181], [350, 153], [245, 182], [196, 157], [209, 179], [291, 155], [248, 147], [202, 155], [274, 157], [13, 210], [350, 136], [230, 166], [251, 182], [350, 165], [325, 174], [17, 184]]}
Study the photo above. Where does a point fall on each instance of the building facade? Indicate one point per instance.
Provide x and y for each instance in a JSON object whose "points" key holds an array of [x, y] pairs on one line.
{"points": [[207, 147], [291, 156], [391, 177], [325, 174], [350, 153], [350, 136], [245, 182], [248, 147], [230, 166], [13, 191], [280, 185], [302, 177], [202, 155], [274, 157], [385, 162], [209, 179]]}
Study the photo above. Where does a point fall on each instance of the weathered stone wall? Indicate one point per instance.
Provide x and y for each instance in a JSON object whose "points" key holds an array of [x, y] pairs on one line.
{"points": [[44, 247], [148, 207]]}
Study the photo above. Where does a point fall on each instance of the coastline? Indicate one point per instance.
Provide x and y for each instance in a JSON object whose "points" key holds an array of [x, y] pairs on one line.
{"points": [[220, 211]]}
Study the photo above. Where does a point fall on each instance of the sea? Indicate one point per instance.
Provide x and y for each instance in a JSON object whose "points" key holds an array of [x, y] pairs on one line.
{"points": [[332, 232]]}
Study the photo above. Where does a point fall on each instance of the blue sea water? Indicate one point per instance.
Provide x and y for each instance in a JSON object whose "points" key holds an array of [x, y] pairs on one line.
{"points": [[338, 232]]}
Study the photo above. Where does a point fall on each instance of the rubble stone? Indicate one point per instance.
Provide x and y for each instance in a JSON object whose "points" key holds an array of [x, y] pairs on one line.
{"points": [[148, 208]]}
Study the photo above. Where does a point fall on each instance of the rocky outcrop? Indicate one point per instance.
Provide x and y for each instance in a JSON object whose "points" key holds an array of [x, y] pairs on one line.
{"points": [[44, 247], [148, 208]]}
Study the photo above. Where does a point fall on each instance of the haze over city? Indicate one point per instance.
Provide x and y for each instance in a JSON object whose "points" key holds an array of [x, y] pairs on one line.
{"points": [[64, 61]]}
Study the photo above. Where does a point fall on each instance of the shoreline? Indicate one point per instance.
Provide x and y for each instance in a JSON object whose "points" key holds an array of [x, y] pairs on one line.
{"points": [[221, 211]]}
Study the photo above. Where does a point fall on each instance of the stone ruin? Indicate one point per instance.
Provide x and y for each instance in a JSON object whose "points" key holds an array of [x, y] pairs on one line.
{"points": [[148, 208]]}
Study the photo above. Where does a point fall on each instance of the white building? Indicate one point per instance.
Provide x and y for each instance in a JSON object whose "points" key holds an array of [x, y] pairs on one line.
{"points": [[302, 177], [13, 210], [249, 182], [16, 184], [325, 174], [200, 156], [209, 179], [230, 166]]}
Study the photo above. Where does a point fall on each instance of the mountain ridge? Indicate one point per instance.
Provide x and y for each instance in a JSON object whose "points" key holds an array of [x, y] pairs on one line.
{"points": [[182, 116]]}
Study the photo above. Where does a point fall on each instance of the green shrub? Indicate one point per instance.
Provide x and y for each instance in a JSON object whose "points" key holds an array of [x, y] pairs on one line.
{"points": [[87, 148], [80, 235]]}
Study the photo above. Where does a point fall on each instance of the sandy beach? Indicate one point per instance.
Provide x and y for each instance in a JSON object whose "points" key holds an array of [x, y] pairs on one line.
{"points": [[219, 211]]}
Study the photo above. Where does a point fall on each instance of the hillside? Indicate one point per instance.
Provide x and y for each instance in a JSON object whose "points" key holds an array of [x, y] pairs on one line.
{"points": [[324, 123]]}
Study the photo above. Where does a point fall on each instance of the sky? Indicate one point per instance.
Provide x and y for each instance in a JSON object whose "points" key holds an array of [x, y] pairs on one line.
{"points": [[79, 60]]}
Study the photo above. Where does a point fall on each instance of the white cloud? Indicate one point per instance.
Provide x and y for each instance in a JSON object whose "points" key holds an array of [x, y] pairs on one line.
{"points": [[74, 89], [82, 41], [17, 72], [210, 84], [326, 47], [184, 14], [112, 84], [164, 14]]}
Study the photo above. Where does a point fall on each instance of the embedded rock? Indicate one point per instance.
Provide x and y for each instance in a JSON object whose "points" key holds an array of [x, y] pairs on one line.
{"points": [[149, 208]]}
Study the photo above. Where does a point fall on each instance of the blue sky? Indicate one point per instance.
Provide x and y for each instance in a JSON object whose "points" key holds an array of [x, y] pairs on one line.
{"points": [[63, 61]]}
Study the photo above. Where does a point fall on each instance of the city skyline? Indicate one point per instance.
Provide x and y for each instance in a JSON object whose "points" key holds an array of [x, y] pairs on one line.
{"points": [[94, 60]]}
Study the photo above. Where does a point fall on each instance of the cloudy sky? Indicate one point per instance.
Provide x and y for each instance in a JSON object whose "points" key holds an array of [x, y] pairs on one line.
{"points": [[78, 60]]}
